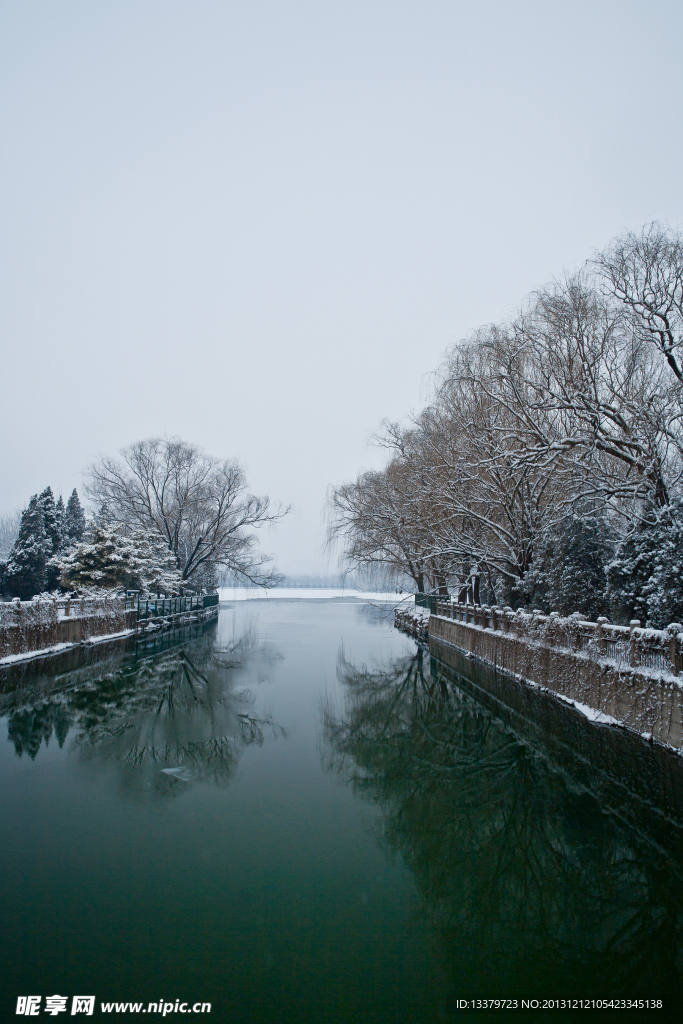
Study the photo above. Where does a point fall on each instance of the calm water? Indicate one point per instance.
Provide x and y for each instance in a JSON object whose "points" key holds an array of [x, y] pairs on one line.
{"points": [[297, 816]]}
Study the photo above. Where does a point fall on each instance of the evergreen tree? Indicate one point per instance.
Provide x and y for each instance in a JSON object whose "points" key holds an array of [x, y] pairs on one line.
{"points": [[53, 531], [664, 589], [52, 570], [106, 559], [47, 503], [26, 575], [60, 512], [631, 568], [646, 575], [74, 520], [155, 566], [110, 560], [568, 572]]}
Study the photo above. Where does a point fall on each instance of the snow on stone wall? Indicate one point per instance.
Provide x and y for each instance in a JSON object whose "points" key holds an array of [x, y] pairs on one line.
{"points": [[628, 674], [35, 625]]}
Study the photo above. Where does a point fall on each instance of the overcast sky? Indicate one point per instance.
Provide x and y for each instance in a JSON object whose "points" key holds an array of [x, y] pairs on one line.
{"points": [[259, 225]]}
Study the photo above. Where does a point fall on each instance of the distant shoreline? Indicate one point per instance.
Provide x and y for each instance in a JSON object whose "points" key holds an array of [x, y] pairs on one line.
{"points": [[228, 594]]}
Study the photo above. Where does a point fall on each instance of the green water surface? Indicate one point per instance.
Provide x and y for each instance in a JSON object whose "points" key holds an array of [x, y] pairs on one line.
{"points": [[349, 831]]}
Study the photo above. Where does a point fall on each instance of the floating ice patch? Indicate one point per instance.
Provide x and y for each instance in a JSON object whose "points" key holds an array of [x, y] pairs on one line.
{"points": [[184, 774]]}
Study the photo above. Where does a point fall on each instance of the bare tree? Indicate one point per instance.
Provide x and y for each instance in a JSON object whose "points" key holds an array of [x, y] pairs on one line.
{"points": [[573, 408], [198, 503], [377, 519], [644, 272], [586, 397]]}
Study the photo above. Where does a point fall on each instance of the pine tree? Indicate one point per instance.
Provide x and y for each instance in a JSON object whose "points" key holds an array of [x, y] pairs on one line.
{"points": [[109, 559], [568, 572], [60, 512], [106, 559], [631, 568], [47, 503], [74, 520], [53, 530], [52, 570], [664, 589], [155, 566], [26, 575]]}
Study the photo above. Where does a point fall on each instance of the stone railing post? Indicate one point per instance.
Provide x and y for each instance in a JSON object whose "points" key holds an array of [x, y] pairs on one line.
{"points": [[633, 645], [600, 633], [576, 636], [674, 647]]}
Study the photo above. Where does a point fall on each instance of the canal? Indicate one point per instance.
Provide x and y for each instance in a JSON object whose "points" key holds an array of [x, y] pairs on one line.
{"points": [[296, 815]]}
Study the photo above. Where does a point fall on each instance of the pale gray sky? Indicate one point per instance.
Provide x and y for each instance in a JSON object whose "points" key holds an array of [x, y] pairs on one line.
{"points": [[259, 224]]}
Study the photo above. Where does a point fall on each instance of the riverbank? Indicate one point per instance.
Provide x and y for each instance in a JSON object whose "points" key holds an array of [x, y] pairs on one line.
{"points": [[613, 675], [45, 628]]}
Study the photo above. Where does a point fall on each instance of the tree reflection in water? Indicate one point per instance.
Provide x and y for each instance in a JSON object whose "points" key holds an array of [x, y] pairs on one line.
{"points": [[173, 713], [530, 887]]}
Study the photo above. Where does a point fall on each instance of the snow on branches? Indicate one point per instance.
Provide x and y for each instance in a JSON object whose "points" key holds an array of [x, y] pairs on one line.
{"points": [[552, 450], [198, 504]]}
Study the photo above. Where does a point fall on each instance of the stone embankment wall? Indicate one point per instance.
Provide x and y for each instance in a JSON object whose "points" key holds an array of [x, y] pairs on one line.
{"points": [[42, 625], [625, 674], [412, 621], [39, 625]]}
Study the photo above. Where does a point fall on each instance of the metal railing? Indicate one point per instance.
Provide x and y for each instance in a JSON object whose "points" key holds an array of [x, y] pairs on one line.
{"points": [[165, 607]]}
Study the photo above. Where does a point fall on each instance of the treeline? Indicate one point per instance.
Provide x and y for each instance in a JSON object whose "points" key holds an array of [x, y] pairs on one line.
{"points": [[168, 518], [547, 469]]}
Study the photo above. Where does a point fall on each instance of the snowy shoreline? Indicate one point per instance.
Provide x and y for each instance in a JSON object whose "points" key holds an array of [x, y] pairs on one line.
{"points": [[45, 652]]}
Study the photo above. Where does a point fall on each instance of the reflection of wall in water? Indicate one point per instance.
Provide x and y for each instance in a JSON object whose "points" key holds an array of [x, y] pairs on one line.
{"points": [[171, 712], [528, 880]]}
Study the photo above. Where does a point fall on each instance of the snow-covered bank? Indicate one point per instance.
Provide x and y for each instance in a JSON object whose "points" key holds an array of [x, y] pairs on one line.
{"points": [[645, 698], [413, 621], [13, 659], [227, 594]]}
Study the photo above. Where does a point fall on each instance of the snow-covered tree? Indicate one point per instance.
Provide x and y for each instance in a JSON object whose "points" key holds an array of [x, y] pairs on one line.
{"points": [[568, 573], [25, 575], [664, 589], [198, 503], [646, 574], [154, 567], [60, 512], [47, 503], [106, 559], [631, 568], [643, 271], [546, 438], [111, 560], [74, 520]]}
